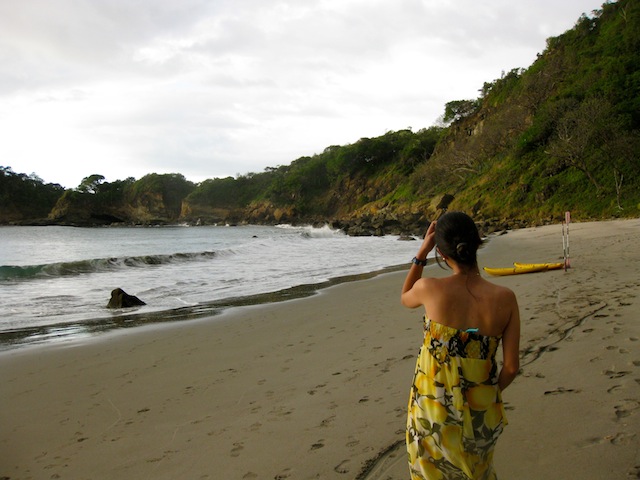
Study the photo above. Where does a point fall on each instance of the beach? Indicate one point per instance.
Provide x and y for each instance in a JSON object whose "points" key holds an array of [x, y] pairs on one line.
{"points": [[317, 388]]}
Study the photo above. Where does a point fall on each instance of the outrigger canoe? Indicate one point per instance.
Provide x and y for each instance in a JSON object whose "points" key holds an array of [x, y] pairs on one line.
{"points": [[519, 268]]}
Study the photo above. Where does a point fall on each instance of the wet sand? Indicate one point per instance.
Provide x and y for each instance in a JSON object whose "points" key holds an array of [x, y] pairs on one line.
{"points": [[317, 388]]}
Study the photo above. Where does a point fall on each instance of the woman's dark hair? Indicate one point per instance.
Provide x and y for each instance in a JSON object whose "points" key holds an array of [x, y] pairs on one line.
{"points": [[457, 238]]}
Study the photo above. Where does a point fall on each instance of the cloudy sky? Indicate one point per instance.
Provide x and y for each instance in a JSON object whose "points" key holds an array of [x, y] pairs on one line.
{"points": [[216, 88]]}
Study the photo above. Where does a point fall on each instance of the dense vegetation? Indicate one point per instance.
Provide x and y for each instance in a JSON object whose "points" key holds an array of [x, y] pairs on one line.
{"points": [[25, 196], [560, 135]]}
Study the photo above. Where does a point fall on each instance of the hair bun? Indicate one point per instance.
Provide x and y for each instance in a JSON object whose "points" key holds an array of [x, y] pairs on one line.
{"points": [[462, 249]]}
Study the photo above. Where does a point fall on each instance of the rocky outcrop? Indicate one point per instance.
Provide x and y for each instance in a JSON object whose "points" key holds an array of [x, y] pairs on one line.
{"points": [[383, 223], [81, 209], [121, 299], [85, 209], [149, 208]]}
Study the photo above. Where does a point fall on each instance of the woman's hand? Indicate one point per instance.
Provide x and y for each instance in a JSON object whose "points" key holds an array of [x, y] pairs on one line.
{"points": [[429, 241]]}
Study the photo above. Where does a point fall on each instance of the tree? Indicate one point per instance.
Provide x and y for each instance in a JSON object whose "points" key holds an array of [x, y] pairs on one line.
{"points": [[25, 197], [90, 184], [618, 152], [458, 109], [591, 138]]}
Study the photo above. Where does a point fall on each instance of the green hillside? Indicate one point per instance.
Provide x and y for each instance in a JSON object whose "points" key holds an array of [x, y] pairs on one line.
{"points": [[560, 135]]}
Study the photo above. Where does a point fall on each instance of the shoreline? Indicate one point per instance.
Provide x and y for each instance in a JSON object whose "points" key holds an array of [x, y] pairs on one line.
{"points": [[42, 335], [317, 387]]}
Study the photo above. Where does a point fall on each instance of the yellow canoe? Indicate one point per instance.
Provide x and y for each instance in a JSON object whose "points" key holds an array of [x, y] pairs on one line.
{"points": [[550, 266], [519, 268]]}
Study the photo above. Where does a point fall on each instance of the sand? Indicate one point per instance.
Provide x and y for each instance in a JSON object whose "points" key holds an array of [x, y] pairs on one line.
{"points": [[317, 388]]}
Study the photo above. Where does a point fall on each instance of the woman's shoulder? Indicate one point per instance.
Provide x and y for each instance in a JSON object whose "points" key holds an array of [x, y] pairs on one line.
{"points": [[501, 292], [500, 288]]}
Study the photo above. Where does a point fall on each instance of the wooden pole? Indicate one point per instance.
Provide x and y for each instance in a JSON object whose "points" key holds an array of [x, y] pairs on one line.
{"points": [[565, 243]]}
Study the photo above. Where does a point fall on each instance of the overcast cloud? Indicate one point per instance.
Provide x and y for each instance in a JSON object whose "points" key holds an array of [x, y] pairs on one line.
{"points": [[224, 87]]}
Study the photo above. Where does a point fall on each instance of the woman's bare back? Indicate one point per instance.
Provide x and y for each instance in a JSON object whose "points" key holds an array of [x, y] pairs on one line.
{"points": [[466, 301]]}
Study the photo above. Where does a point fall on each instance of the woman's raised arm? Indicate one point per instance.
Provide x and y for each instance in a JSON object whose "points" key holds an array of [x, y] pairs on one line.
{"points": [[410, 297]]}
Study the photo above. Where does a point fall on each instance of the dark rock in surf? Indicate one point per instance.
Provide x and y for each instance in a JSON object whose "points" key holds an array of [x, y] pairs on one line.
{"points": [[121, 299]]}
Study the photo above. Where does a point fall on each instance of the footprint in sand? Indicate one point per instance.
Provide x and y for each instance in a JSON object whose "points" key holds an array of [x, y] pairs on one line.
{"points": [[560, 390], [633, 473], [617, 439], [237, 448], [313, 390], [613, 374], [590, 442], [255, 427], [342, 467], [627, 408], [280, 411], [623, 438], [327, 421], [317, 445], [283, 475]]}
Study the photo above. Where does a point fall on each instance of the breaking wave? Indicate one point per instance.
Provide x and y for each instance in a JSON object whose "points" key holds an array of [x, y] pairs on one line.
{"points": [[96, 265], [309, 231]]}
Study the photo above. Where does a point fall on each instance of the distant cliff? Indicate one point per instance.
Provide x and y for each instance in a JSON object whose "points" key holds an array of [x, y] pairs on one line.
{"points": [[563, 134], [154, 199]]}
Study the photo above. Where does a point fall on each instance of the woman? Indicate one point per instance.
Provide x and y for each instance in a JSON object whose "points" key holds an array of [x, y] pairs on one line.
{"points": [[455, 409]]}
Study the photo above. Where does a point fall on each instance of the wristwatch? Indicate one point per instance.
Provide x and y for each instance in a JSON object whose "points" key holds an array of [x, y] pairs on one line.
{"points": [[419, 262]]}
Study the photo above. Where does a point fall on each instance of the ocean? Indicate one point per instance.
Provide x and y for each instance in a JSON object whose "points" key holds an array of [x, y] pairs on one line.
{"points": [[56, 281]]}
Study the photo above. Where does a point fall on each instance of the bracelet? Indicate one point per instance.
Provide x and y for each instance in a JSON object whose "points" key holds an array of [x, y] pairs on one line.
{"points": [[419, 262]]}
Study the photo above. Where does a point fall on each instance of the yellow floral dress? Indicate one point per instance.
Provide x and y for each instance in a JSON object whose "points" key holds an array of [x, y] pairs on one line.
{"points": [[455, 409]]}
